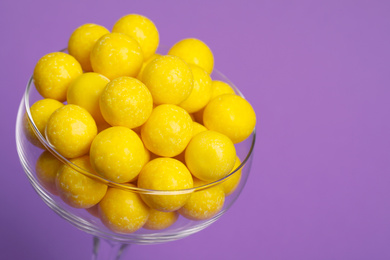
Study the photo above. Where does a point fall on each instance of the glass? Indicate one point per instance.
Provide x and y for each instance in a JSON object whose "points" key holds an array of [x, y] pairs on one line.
{"points": [[85, 220]]}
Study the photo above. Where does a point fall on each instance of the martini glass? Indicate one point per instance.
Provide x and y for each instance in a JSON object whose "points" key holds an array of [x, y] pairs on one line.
{"points": [[30, 149]]}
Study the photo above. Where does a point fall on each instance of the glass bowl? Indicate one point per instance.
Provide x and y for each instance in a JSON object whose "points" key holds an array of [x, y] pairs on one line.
{"points": [[30, 150]]}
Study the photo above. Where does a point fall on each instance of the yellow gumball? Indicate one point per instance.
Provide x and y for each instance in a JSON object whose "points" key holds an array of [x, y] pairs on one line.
{"points": [[81, 42], [203, 204], [146, 62], [198, 128], [85, 92], [147, 152], [115, 55], [117, 154], [71, 130], [76, 189], [46, 168], [169, 79], [147, 155], [141, 29], [167, 131], [40, 113], [165, 174], [159, 220], [123, 211], [195, 52], [230, 115], [147, 159], [231, 183], [201, 92], [53, 74], [42, 110], [210, 155], [218, 88], [126, 101]]}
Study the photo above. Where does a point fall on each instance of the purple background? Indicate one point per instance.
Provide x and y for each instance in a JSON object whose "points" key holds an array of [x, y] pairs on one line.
{"points": [[317, 74]]}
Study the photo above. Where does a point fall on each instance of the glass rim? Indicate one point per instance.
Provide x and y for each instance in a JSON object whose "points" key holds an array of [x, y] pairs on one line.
{"points": [[124, 186]]}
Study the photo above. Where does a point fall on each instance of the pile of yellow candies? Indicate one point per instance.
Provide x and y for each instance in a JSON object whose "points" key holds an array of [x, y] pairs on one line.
{"points": [[119, 110]]}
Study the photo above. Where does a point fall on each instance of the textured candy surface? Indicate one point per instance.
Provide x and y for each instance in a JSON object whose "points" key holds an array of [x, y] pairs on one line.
{"points": [[115, 55], [142, 30], [75, 188], [117, 154], [71, 130], [165, 174], [230, 115], [210, 155], [53, 74], [126, 101], [167, 131], [123, 211]]}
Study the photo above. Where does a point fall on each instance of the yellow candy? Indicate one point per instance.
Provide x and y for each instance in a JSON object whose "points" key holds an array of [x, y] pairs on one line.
{"points": [[195, 52], [160, 220], [81, 42], [231, 184], [40, 113], [46, 168], [115, 55], [230, 115], [165, 174], [146, 62], [141, 29], [210, 155], [198, 128], [71, 130], [126, 102], [218, 88], [123, 211], [201, 92], [203, 204], [169, 79], [53, 74], [117, 154], [76, 189], [85, 91], [167, 131], [148, 155]]}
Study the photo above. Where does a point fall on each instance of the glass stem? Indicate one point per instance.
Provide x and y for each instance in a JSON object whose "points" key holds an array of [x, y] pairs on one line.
{"points": [[110, 250]]}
